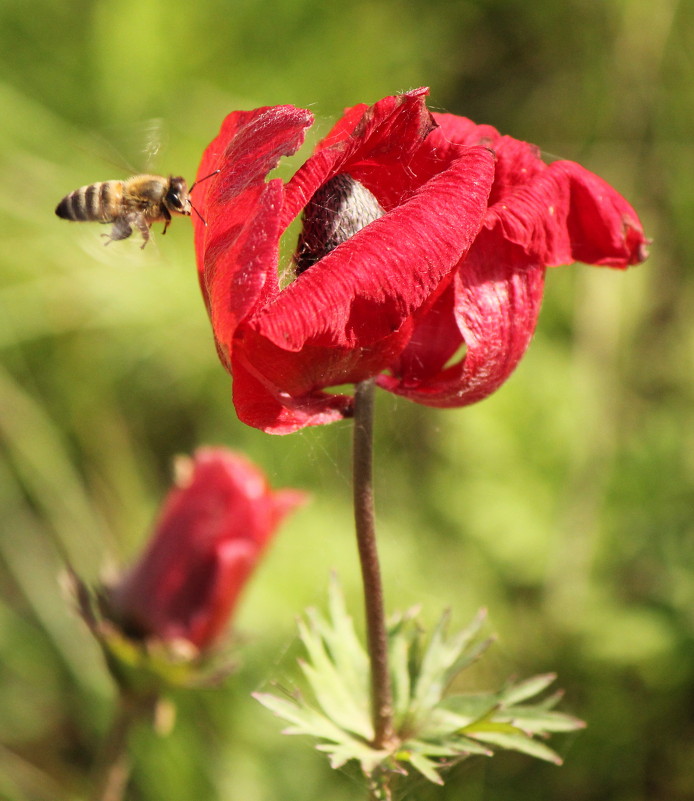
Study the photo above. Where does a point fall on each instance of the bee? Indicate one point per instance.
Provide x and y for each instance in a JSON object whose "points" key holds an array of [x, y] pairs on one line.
{"points": [[139, 201]]}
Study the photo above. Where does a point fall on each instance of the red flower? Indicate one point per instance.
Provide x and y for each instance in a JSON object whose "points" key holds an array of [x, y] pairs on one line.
{"points": [[424, 236], [211, 532]]}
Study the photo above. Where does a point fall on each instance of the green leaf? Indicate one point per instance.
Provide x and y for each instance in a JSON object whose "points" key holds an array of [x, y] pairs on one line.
{"points": [[527, 689], [431, 731], [349, 654], [335, 700], [400, 675], [444, 658], [443, 723], [471, 706], [518, 742], [538, 720], [453, 745], [343, 699], [340, 753], [425, 766], [306, 720]]}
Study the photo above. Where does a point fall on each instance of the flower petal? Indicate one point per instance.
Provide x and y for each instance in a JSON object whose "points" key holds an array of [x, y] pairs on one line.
{"points": [[375, 145], [494, 303], [237, 251], [543, 215], [210, 534], [366, 288], [260, 404], [558, 212], [568, 214]]}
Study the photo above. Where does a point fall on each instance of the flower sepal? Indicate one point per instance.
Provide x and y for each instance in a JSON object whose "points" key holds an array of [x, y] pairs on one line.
{"points": [[146, 667], [432, 729]]}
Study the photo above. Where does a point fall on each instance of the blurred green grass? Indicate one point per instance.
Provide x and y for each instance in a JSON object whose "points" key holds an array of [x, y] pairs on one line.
{"points": [[563, 503]]}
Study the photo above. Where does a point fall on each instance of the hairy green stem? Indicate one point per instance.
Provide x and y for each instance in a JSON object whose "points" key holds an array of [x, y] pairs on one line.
{"points": [[377, 642], [112, 769]]}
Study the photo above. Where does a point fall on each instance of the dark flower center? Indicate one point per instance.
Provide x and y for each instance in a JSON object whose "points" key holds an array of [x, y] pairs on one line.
{"points": [[340, 208]]}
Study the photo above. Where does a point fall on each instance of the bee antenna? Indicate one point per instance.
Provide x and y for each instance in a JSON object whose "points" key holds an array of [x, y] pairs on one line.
{"points": [[196, 211], [199, 181]]}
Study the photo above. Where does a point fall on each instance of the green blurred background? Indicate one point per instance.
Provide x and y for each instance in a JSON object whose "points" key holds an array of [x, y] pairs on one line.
{"points": [[564, 504]]}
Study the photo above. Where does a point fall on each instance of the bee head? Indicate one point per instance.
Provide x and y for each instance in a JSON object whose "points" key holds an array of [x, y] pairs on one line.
{"points": [[177, 198]]}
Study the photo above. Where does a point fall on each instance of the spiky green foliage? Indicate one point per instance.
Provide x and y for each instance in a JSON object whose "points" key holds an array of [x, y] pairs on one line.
{"points": [[433, 728]]}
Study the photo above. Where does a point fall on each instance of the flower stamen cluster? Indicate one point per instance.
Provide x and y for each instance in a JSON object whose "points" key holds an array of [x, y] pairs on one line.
{"points": [[337, 211]]}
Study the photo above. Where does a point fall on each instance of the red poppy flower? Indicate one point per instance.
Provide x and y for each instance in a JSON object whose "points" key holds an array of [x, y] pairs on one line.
{"points": [[421, 260], [211, 532]]}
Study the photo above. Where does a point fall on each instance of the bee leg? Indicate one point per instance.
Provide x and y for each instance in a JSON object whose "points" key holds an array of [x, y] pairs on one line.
{"points": [[143, 227], [167, 219], [121, 230]]}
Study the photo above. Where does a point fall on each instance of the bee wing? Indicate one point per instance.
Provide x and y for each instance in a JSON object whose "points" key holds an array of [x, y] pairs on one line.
{"points": [[133, 150], [155, 139], [102, 147]]}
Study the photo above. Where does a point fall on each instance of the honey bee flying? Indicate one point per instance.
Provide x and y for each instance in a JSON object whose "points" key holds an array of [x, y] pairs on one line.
{"points": [[139, 201]]}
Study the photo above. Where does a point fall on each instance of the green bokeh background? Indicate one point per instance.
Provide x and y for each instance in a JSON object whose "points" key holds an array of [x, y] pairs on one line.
{"points": [[564, 504]]}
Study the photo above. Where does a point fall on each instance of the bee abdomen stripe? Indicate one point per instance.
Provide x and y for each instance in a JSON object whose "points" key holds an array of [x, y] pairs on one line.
{"points": [[73, 206], [91, 200], [87, 203], [64, 208], [104, 190]]}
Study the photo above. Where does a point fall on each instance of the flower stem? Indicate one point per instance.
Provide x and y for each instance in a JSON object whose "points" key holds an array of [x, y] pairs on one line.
{"points": [[112, 769], [381, 692]]}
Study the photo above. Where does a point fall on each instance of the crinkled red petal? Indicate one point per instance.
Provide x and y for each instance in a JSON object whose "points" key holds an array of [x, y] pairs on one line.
{"points": [[365, 289], [491, 308], [258, 403], [567, 214], [375, 145], [237, 249]]}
